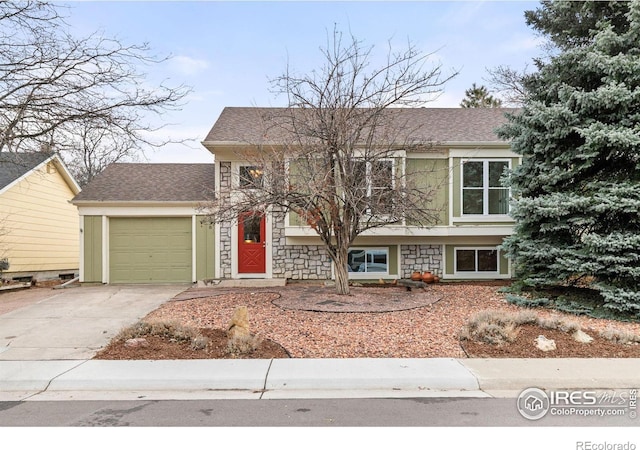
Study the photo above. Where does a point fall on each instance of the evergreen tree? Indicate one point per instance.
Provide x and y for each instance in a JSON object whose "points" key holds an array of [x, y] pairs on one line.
{"points": [[479, 97], [577, 192]]}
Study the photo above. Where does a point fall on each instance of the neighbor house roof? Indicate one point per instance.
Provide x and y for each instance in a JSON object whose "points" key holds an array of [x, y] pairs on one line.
{"points": [[15, 165], [134, 182], [252, 125]]}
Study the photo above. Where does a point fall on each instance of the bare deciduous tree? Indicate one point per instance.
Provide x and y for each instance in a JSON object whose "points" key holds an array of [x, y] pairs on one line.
{"points": [[92, 148], [55, 86], [508, 83], [335, 155]]}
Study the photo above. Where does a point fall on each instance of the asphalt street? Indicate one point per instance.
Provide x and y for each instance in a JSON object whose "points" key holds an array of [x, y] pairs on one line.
{"points": [[390, 412]]}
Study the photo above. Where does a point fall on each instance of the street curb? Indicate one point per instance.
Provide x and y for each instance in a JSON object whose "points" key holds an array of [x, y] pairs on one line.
{"points": [[32, 375], [201, 374], [517, 374], [370, 374]]}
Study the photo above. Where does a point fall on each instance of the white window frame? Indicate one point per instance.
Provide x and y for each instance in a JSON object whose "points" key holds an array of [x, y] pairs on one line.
{"points": [[368, 175], [236, 182], [476, 272], [485, 188], [368, 275]]}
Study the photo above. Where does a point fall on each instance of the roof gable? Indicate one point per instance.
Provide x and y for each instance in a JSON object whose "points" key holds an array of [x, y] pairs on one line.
{"points": [[135, 182], [15, 166]]}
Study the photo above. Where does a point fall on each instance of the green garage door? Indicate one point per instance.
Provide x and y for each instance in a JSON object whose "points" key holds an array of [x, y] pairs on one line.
{"points": [[150, 250]]}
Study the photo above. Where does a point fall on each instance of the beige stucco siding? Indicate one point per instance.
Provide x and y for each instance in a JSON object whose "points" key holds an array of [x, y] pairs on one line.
{"points": [[41, 228]]}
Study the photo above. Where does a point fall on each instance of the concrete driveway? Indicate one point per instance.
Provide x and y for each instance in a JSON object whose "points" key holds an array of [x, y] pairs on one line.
{"points": [[75, 323]]}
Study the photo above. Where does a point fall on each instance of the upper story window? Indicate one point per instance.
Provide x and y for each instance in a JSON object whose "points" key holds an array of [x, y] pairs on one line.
{"points": [[379, 181], [482, 192], [250, 177]]}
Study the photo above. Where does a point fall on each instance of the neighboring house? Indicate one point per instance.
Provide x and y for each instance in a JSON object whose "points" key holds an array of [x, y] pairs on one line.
{"points": [[141, 222], [38, 226]]}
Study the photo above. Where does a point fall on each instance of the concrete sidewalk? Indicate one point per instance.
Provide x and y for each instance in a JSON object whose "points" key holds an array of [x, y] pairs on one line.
{"points": [[307, 378]]}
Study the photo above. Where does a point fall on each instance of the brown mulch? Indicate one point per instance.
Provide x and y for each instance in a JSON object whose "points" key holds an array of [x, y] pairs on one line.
{"points": [[157, 347], [428, 331], [566, 346]]}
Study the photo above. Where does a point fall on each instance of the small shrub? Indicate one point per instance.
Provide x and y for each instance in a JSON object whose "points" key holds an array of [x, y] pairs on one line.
{"points": [[495, 334], [491, 327], [498, 327], [168, 330], [136, 330], [173, 331], [199, 342], [620, 337], [526, 316], [243, 344], [556, 323]]}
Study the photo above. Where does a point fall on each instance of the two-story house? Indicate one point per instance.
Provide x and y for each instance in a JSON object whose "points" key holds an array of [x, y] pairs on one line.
{"points": [[144, 223]]}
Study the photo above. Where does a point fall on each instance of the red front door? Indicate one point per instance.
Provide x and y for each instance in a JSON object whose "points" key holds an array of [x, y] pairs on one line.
{"points": [[251, 243]]}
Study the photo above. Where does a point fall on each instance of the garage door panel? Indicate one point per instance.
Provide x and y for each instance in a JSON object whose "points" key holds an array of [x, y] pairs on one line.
{"points": [[144, 250]]}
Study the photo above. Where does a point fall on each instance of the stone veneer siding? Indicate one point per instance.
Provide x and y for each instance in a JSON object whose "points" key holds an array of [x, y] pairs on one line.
{"points": [[297, 262], [225, 227], [420, 258]]}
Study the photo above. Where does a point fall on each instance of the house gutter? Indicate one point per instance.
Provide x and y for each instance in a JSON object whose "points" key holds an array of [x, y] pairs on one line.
{"points": [[132, 203]]}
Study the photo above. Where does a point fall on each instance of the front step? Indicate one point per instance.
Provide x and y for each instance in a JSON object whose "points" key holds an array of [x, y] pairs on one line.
{"points": [[245, 282]]}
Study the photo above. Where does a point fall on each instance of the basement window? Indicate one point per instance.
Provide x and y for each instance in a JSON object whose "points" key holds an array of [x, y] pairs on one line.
{"points": [[368, 260], [476, 260]]}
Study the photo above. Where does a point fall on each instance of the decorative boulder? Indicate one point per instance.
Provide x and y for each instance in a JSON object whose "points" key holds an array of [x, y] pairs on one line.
{"points": [[582, 337], [239, 326], [544, 344]]}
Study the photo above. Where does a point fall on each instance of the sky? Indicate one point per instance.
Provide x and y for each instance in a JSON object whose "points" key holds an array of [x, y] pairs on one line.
{"points": [[228, 51]]}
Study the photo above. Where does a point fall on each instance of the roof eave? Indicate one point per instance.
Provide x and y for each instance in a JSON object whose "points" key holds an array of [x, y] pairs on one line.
{"points": [[497, 143], [476, 144], [137, 203]]}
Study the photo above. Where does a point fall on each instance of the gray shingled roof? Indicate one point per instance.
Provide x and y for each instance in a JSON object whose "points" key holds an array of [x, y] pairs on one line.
{"points": [[15, 165], [247, 125], [133, 182]]}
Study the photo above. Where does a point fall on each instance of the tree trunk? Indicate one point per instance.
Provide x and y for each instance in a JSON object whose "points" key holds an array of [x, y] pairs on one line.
{"points": [[342, 275]]}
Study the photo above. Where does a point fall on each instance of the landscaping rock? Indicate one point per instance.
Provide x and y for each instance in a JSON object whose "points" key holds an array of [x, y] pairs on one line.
{"points": [[136, 342], [544, 344], [239, 326], [582, 337]]}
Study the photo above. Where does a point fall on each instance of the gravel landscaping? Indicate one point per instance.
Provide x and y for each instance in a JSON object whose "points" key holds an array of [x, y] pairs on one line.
{"points": [[429, 330]]}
